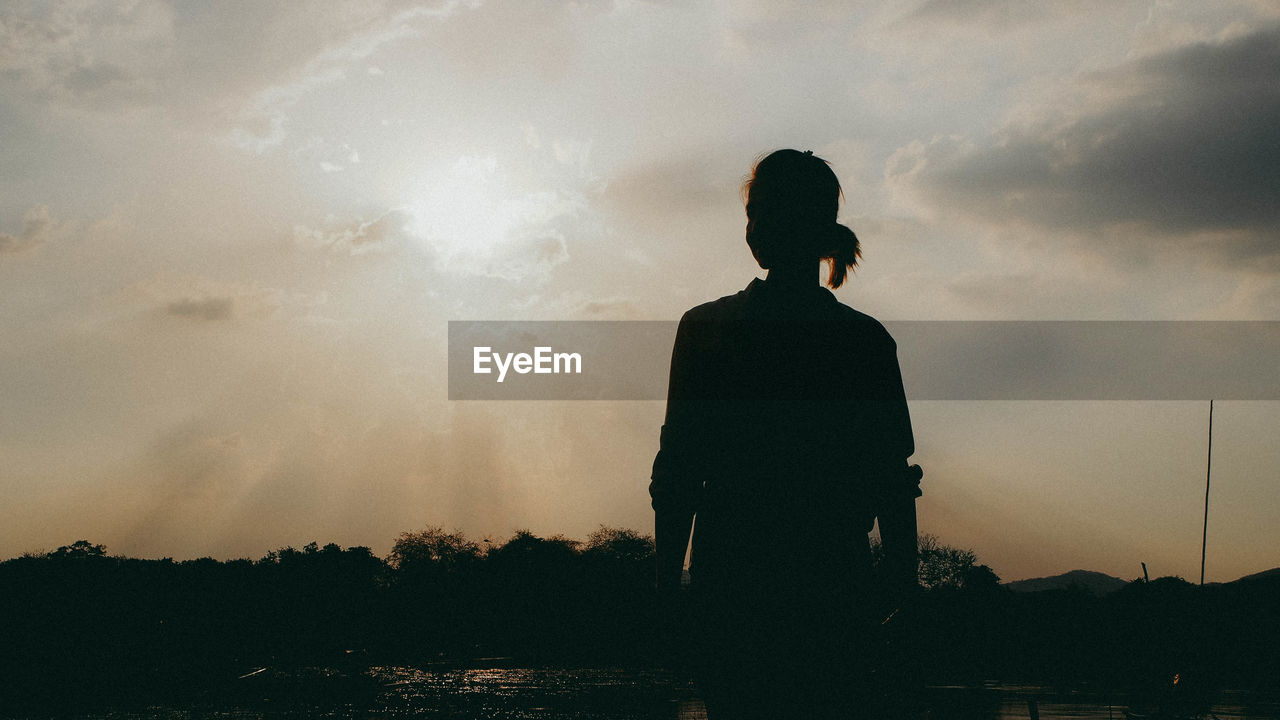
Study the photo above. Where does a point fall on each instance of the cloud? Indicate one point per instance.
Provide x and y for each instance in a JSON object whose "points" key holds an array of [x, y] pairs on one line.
{"points": [[201, 309], [262, 122], [87, 53], [203, 299], [659, 198], [612, 308], [36, 225], [537, 40], [1179, 143], [359, 236], [998, 15], [530, 252]]}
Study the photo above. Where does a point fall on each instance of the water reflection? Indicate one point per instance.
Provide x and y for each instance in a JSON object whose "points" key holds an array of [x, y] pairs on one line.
{"points": [[623, 694], [535, 693]]}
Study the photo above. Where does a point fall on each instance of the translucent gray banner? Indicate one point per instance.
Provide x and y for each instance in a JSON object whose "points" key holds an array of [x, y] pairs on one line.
{"points": [[940, 360]]}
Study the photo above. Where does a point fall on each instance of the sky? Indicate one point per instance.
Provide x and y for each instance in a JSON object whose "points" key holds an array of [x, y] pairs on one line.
{"points": [[232, 235]]}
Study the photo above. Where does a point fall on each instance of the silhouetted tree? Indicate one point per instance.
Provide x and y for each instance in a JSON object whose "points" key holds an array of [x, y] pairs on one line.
{"points": [[980, 578], [943, 566], [619, 544], [80, 549], [619, 566], [432, 548], [121, 630]]}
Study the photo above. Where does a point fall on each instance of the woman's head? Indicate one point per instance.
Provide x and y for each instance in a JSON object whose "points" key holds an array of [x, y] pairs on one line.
{"points": [[792, 199]]}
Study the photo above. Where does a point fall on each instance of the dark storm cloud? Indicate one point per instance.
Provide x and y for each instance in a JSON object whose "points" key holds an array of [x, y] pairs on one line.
{"points": [[201, 309], [1181, 142]]}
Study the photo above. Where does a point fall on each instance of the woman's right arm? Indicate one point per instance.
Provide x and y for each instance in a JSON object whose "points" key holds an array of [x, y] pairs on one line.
{"points": [[676, 482]]}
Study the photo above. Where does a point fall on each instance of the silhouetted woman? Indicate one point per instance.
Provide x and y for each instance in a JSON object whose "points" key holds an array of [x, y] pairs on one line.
{"points": [[786, 434]]}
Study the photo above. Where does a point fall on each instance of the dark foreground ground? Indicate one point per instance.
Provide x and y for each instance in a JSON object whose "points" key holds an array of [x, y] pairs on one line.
{"points": [[497, 691], [328, 632]]}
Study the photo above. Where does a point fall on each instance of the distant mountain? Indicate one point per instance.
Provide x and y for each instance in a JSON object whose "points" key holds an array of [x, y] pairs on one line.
{"points": [[1095, 582], [1272, 574]]}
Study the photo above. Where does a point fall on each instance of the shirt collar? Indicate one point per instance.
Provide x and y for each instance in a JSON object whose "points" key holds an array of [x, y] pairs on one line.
{"points": [[761, 290]]}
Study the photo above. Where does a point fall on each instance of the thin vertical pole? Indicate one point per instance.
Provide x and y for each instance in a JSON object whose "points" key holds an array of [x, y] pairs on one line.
{"points": [[1204, 537]]}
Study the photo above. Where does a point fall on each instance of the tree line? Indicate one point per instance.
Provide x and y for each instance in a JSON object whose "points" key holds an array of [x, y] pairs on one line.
{"points": [[79, 623]]}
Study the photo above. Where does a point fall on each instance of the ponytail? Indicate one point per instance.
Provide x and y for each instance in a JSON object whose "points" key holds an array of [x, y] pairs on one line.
{"points": [[845, 251]]}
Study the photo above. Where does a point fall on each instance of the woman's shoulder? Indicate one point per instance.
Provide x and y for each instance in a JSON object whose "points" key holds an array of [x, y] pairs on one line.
{"points": [[729, 307], [754, 304], [739, 308], [863, 325]]}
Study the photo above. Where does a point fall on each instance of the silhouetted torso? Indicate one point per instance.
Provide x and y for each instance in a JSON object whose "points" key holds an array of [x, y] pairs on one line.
{"points": [[785, 418]]}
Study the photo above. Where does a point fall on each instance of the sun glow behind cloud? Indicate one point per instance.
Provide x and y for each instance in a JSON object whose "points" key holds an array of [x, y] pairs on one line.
{"points": [[478, 220], [464, 211]]}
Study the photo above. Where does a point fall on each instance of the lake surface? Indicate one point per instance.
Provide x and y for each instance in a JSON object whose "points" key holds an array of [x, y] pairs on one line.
{"points": [[618, 694], [550, 693]]}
